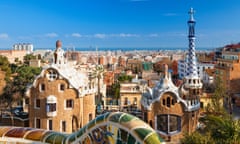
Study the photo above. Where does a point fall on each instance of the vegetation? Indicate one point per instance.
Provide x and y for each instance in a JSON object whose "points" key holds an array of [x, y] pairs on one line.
{"points": [[116, 90], [124, 78], [217, 130], [216, 105], [5, 66], [15, 89], [29, 57], [97, 73]]}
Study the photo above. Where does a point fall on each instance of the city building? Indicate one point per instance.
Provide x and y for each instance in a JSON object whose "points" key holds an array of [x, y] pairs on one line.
{"points": [[61, 98], [228, 67], [208, 77], [14, 55], [23, 46], [201, 67], [130, 94], [170, 110], [135, 65]]}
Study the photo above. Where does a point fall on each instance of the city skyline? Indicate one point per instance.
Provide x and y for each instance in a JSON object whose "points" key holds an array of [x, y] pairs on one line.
{"points": [[119, 23]]}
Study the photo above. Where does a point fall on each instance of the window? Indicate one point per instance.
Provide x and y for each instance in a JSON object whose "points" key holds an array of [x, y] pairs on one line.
{"points": [[69, 103], [169, 124], [50, 124], [201, 104], [51, 107], [90, 117], [135, 101], [42, 87], [126, 101], [62, 87], [168, 101], [37, 103], [52, 75], [37, 123], [64, 125], [193, 114], [164, 102], [27, 101]]}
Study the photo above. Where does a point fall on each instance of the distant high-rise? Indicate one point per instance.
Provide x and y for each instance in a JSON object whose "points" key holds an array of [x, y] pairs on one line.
{"points": [[23, 46]]}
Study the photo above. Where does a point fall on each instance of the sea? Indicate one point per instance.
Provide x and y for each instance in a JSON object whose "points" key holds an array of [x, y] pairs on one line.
{"points": [[125, 49], [130, 49]]}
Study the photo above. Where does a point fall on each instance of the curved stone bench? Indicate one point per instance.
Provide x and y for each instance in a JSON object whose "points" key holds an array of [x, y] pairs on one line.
{"points": [[109, 128]]}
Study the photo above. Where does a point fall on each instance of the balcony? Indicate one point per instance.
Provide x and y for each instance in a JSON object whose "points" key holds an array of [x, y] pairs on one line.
{"points": [[192, 106], [51, 106], [52, 114], [228, 60]]}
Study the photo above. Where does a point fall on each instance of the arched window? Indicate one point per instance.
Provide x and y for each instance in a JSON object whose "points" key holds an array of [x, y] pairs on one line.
{"points": [[168, 101], [168, 124], [164, 102]]}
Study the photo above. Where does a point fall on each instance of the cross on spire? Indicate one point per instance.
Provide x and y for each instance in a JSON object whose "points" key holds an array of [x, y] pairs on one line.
{"points": [[191, 13]]}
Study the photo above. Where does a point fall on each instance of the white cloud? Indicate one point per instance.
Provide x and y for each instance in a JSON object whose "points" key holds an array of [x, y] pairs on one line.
{"points": [[128, 35], [4, 36], [101, 36], [153, 35], [76, 35], [51, 35]]}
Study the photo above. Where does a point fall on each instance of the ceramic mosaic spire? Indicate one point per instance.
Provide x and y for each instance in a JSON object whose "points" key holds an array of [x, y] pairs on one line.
{"points": [[192, 64]]}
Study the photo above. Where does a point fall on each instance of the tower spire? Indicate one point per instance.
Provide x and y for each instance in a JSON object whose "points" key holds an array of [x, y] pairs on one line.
{"points": [[192, 64]]}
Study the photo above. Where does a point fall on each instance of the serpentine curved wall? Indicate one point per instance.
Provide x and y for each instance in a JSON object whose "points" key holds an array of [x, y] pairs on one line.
{"points": [[109, 128]]}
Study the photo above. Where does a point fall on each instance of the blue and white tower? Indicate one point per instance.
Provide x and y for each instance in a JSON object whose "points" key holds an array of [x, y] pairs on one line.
{"points": [[191, 89], [192, 64], [192, 79]]}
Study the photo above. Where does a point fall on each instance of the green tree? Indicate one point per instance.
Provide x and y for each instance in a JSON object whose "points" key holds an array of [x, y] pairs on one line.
{"points": [[116, 90], [15, 89], [29, 57], [195, 138], [5, 66], [25, 76], [97, 73], [124, 78], [216, 105], [216, 130], [222, 129]]}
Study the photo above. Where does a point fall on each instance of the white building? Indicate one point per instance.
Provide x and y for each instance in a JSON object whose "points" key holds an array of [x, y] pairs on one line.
{"points": [[201, 67], [23, 46], [208, 76]]}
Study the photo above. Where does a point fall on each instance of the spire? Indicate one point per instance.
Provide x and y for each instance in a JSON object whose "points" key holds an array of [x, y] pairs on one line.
{"points": [[192, 64]]}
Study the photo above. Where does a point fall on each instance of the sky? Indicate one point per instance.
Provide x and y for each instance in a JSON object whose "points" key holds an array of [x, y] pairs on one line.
{"points": [[118, 23]]}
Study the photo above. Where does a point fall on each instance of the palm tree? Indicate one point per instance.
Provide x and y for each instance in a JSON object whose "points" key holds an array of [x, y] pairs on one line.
{"points": [[222, 129], [97, 73]]}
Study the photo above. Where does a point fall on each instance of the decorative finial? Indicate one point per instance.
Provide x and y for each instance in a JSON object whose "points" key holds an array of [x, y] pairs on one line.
{"points": [[191, 12]]}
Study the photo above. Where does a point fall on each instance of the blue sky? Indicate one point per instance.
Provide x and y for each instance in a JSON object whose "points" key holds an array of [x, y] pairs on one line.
{"points": [[118, 23]]}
